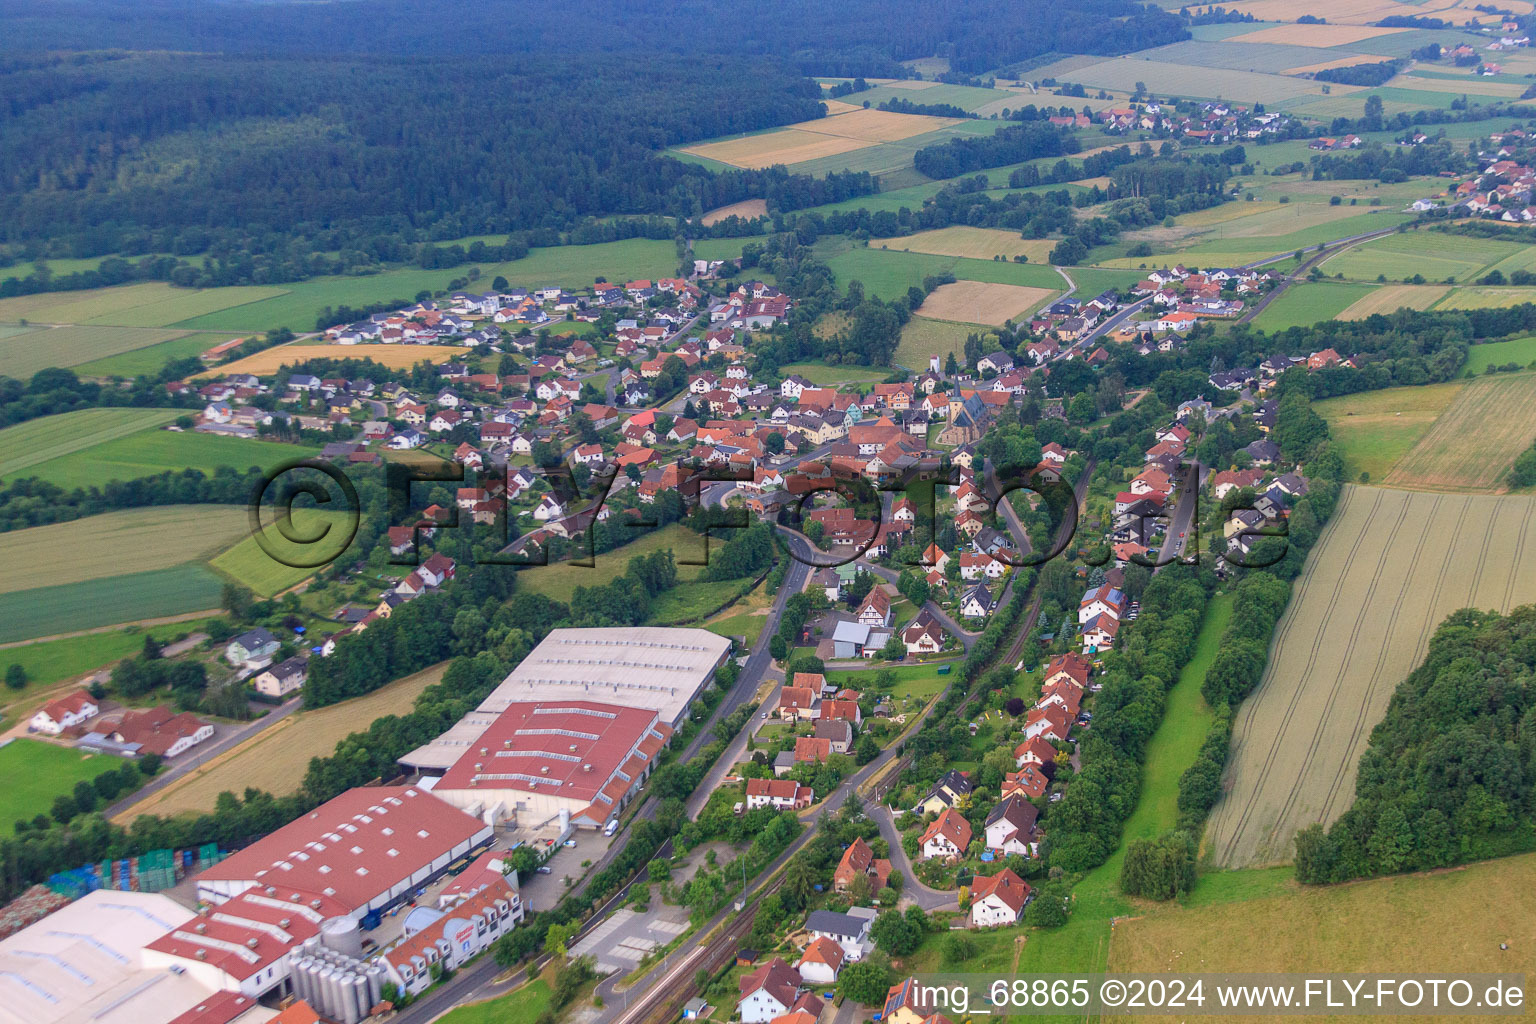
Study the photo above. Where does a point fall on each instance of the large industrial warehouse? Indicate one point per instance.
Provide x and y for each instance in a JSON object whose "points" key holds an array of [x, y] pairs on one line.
{"points": [[574, 730]]}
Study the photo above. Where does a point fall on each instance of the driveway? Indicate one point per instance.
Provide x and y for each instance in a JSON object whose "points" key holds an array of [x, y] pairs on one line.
{"points": [[912, 889]]}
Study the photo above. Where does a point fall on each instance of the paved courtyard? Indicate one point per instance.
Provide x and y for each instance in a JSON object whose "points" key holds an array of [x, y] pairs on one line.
{"points": [[620, 943]]}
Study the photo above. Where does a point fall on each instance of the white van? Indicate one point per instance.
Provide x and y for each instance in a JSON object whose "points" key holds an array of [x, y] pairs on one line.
{"points": [[612, 827]]}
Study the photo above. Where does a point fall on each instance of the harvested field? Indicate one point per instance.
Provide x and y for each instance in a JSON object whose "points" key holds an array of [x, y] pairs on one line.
{"points": [[910, 83], [878, 125], [398, 357], [276, 759], [1427, 923], [1390, 566], [1328, 65], [114, 543], [976, 302], [1392, 297], [1314, 35], [1474, 442], [840, 107], [972, 243], [1341, 13], [788, 146], [747, 209], [823, 137]]}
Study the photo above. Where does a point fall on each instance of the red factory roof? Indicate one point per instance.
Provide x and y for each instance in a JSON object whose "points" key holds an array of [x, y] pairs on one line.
{"points": [[570, 749], [353, 847]]}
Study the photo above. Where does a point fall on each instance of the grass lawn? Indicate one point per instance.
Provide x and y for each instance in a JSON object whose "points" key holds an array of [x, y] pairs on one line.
{"points": [[826, 376], [912, 681], [1498, 353], [520, 1007], [1306, 303], [686, 603], [149, 453], [52, 661], [922, 338], [559, 580], [887, 273], [1376, 428], [50, 438], [44, 611], [36, 772], [248, 562], [1171, 750]]}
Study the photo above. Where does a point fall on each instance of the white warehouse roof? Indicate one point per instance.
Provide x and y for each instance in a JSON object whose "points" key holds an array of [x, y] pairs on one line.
{"points": [[82, 964]]}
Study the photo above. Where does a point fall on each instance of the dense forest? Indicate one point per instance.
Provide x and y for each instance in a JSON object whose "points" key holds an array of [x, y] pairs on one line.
{"points": [[1447, 775], [130, 153], [847, 37]]}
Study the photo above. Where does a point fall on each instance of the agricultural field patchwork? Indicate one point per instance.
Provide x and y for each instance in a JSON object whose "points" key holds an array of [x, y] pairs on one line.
{"points": [[148, 453], [1392, 297], [810, 140], [1486, 298], [115, 543], [1475, 441], [969, 242], [1390, 566], [1305, 304], [268, 361], [1375, 429], [887, 273], [1433, 254], [978, 302], [40, 441], [107, 600], [152, 304], [277, 758]]}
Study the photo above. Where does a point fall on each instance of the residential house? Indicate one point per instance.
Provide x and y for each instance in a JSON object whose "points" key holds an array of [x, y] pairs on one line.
{"points": [[860, 861], [63, 713], [282, 679], [998, 899], [780, 794], [1011, 827], [250, 647], [849, 930], [946, 837]]}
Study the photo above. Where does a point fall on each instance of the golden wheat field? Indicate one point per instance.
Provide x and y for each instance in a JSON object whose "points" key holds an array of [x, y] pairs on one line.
{"points": [[746, 210], [827, 136], [1390, 566], [398, 357], [977, 302]]}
